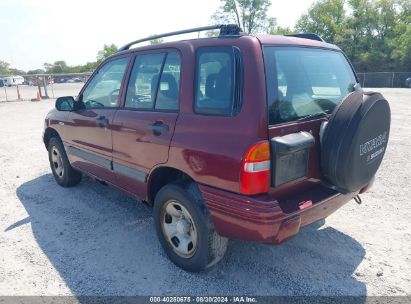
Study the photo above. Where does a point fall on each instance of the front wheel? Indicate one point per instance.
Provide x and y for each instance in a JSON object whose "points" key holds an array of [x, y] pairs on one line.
{"points": [[63, 173], [185, 229]]}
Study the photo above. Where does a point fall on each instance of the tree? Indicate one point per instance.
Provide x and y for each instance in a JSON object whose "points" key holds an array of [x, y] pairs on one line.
{"points": [[325, 18], [58, 67], [250, 15], [4, 68], [37, 71], [279, 30], [88, 67], [375, 34], [108, 50], [401, 45], [14, 71]]}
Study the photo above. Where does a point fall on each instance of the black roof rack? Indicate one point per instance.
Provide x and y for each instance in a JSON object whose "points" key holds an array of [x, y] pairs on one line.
{"points": [[310, 36], [225, 30]]}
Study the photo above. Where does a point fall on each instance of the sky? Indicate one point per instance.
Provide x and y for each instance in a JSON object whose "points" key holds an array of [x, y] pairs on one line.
{"points": [[37, 31]]}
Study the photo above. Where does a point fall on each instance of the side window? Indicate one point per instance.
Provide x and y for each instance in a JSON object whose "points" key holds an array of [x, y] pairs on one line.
{"points": [[218, 90], [104, 89], [142, 86], [154, 82], [169, 86]]}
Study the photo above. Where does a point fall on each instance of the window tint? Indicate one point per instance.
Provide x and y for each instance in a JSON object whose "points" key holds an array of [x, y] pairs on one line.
{"points": [[169, 87], [215, 81], [104, 89], [305, 81], [147, 90]]}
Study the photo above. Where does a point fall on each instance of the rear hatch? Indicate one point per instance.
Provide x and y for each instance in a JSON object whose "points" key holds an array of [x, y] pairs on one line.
{"points": [[304, 85]]}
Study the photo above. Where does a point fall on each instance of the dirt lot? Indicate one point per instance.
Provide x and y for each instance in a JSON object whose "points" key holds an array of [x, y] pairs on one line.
{"points": [[93, 240]]}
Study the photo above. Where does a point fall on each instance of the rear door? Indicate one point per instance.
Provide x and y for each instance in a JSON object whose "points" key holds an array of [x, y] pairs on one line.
{"points": [[304, 85], [90, 128], [143, 128]]}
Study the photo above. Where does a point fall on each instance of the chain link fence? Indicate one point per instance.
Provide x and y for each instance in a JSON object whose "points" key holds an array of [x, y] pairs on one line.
{"points": [[41, 86], [385, 79], [44, 86]]}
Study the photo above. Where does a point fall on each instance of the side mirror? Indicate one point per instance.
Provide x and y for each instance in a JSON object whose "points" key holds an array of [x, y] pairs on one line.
{"points": [[65, 103]]}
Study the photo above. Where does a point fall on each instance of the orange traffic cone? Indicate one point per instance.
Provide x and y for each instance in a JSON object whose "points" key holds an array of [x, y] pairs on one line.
{"points": [[38, 98]]}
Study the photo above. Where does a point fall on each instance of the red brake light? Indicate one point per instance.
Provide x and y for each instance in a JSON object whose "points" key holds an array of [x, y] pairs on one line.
{"points": [[255, 169]]}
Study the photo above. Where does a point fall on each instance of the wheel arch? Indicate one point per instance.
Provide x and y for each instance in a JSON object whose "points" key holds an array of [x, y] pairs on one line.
{"points": [[48, 134], [161, 176]]}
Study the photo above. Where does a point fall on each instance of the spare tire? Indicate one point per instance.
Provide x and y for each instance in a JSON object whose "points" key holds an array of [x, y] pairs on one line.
{"points": [[354, 140]]}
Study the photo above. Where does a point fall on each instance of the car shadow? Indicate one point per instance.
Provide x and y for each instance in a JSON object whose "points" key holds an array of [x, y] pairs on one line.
{"points": [[103, 243]]}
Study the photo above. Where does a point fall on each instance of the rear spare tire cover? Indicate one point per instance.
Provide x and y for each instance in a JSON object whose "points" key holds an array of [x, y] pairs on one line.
{"points": [[355, 140]]}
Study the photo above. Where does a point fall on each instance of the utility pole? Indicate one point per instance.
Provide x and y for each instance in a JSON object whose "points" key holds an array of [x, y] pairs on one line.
{"points": [[39, 85], [45, 87]]}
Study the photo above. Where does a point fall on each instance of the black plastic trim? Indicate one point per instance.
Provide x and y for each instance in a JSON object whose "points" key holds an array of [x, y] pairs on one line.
{"points": [[130, 172], [91, 157], [290, 156], [109, 164], [310, 36]]}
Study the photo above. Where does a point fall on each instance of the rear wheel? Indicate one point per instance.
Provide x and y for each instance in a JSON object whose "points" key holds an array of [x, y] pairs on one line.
{"points": [[185, 229], [63, 173]]}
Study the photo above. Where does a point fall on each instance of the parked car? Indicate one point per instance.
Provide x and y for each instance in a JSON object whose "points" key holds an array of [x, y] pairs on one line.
{"points": [[12, 80], [74, 80], [408, 82], [240, 136]]}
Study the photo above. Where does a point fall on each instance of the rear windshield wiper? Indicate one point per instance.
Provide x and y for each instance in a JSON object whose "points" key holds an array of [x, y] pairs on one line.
{"points": [[313, 116]]}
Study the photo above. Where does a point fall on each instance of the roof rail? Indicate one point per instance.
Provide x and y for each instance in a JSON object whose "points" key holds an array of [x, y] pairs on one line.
{"points": [[310, 36], [225, 30]]}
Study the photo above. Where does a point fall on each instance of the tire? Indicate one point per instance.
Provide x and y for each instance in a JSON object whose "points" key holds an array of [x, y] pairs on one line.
{"points": [[63, 172], [355, 140], [192, 224]]}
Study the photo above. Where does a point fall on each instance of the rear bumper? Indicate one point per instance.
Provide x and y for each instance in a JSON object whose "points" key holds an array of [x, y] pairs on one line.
{"points": [[262, 219]]}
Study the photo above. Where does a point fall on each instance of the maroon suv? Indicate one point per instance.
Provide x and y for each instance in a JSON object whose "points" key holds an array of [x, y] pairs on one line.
{"points": [[236, 136]]}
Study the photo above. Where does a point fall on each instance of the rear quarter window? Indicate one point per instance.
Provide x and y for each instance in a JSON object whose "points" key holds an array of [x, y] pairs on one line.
{"points": [[218, 83]]}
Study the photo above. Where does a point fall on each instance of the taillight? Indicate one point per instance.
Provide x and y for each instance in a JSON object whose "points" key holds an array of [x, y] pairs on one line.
{"points": [[255, 169]]}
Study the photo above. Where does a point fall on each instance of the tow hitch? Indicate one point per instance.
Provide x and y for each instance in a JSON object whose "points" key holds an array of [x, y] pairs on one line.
{"points": [[357, 199]]}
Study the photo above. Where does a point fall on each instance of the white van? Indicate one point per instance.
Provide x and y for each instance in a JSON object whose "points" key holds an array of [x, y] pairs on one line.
{"points": [[12, 80]]}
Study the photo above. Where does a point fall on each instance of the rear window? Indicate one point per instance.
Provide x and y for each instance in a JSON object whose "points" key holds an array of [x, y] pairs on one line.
{"points": [[305, 81]]}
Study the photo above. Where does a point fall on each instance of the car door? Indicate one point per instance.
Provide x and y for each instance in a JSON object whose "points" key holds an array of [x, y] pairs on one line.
{"points": [[90, 127], [143, 128]]}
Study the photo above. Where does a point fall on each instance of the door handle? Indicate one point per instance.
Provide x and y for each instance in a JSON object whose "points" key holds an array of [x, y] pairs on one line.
{"points": [[102, 122], [158, 128]]}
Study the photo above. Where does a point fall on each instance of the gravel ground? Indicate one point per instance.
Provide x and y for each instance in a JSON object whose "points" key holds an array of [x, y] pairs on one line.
{"points": [[93, 240]]}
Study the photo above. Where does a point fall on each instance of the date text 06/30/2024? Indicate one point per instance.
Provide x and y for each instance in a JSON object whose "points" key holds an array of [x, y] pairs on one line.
{"points": [[206, 299]]}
